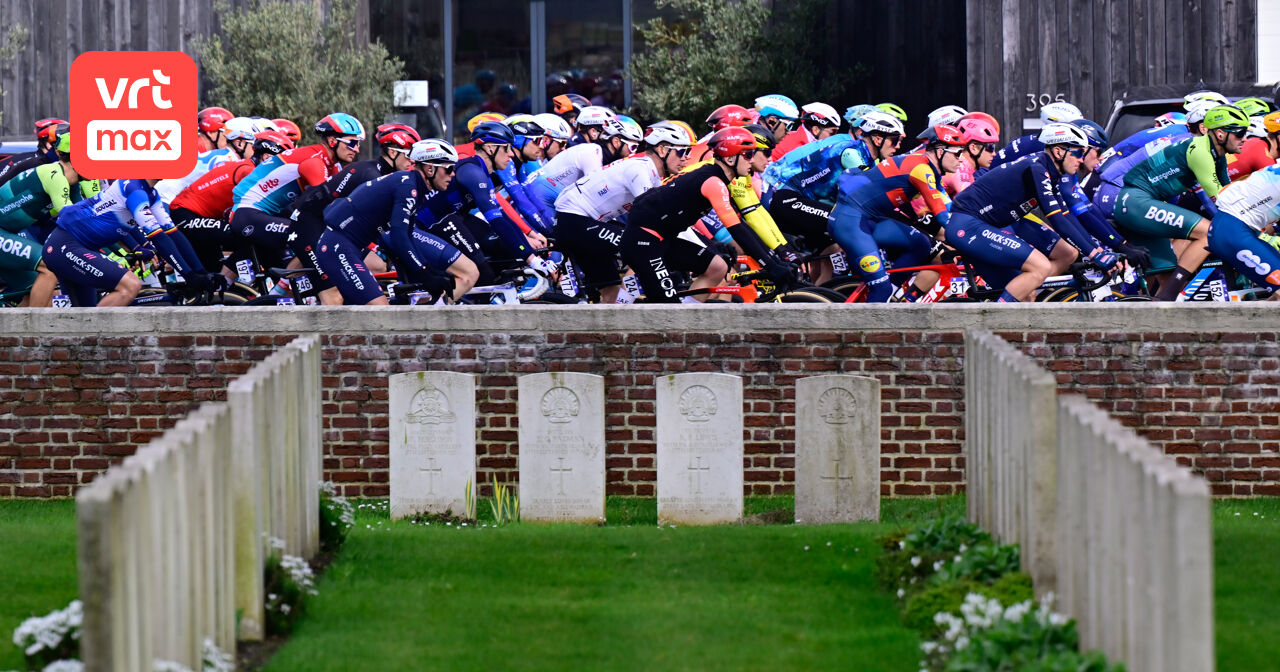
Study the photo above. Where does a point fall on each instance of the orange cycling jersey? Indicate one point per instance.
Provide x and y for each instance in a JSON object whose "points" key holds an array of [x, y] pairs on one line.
{"points": [[1253, 157]]}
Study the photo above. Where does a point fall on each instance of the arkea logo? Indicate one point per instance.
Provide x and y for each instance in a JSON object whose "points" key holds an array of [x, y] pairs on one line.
{"points": [[133, 114]]}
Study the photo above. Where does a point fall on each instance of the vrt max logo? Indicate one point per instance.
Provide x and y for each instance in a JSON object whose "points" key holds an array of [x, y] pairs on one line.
{"points": [[133, 114]]}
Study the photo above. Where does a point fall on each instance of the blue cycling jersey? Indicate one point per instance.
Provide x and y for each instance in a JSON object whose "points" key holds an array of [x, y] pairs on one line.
{"points": [[813, 170], [470, 189], [1143, 138], [1020, 147], [1120, 159], [127, 209], [382, 209], [515, 191], [1009, 192], [530, 167]]}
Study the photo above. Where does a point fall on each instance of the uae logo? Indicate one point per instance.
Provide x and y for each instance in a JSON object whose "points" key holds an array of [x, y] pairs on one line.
{"points": [[698, 404], [429, 407], [560, 404]]}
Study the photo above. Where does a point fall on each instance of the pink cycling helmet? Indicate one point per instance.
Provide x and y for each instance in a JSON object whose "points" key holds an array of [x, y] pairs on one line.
{"points": [[978, 130]]}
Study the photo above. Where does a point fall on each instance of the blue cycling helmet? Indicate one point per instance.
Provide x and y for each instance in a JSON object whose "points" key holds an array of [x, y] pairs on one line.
{"points": [[1097, 136], [494, 132], [777, 105], [853, 114], [340, 123]]}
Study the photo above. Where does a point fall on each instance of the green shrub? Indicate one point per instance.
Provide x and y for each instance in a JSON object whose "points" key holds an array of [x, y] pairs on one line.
{"points": [[918, 611], [287, 582], [337, 517], [951, 534], [907, 571], [983, 563]]}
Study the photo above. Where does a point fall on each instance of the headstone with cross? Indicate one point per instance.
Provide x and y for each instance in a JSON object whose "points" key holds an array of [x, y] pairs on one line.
{"points": [[432, 432], [699, 448], [562, 447], [837, 449]]}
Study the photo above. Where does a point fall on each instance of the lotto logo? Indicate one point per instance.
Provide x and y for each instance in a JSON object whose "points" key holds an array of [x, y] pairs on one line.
{"points": [[133, 114], [267, 185]]}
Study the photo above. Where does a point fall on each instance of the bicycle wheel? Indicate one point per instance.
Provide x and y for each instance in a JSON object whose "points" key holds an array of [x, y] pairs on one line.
{"points": [[1059, 294], [844, 286], [811, 295], [554, 298]]}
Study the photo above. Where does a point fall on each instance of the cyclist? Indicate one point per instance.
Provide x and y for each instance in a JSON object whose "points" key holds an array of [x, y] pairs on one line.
{"points": [[987, 222], [127, 212], [238, 133], [652, 244], [948, 115], [526, 134], [384, 210], [446, 212], [47, 132], [863, 221], [546, 183], [568, 106], [818, 121], [895, 110], [201, 210], [1106, 182], [779, 114], [745, 192], [1058, 112], [591, 123], [209, 122], [263, 201], [853, 116], [725, 116], [1143, 211], [1246, 211], [289, 128], [980, 137], [468, 149], [588, 212], [558, 132]]}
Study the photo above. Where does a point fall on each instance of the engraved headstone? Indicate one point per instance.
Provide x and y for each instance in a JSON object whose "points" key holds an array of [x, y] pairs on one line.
{"points": [[562, 447], [433, 441], [699, 448], [837, 449]]}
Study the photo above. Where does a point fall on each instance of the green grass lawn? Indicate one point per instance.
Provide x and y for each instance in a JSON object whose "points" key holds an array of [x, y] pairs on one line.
{"points": [[405, 596]]}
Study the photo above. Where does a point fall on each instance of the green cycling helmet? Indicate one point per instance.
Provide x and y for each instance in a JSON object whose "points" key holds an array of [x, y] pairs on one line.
{"points": [[1253, 107], [896, 111], [1226, 116], [64, 143]]}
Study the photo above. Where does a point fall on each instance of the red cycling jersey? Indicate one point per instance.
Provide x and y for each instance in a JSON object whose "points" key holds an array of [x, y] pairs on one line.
{"points": [[1252, 157], [210, 194]]}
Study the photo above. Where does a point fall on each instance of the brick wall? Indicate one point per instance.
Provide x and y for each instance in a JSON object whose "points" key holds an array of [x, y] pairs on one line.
{"points": [[73, 403]]}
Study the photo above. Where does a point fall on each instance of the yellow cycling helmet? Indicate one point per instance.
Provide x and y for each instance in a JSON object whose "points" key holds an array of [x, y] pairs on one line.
{"points": [[483, 117], [1272, 122], [895, 110]]}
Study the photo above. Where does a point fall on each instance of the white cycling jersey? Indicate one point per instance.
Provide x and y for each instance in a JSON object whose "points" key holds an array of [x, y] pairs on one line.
{"points": [[546, 183], [1254, 200], [608, 194], [169, 189]]}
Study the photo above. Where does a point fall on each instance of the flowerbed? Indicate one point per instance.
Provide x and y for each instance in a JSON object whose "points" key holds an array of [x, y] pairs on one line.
{"points": [[963, 592]]}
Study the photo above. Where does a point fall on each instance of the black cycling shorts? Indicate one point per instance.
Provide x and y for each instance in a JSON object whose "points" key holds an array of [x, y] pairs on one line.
{"points": [[592, 246]]}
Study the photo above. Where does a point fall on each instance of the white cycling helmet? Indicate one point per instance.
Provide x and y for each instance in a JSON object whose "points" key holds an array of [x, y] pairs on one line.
{"points": [[1061, 112], [1063, 134], [626, 127], [1197, 96], [947, 114], [668, 132], [777, 105], [1257, 128], [820, 113], [881, 122], [433, 151], [1197, 110], [555, 127], [595, 115], [242, 128]]}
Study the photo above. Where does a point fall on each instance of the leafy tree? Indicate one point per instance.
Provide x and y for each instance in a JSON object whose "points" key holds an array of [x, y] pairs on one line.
{"points": [[286, 59], [15, 41], [715, 52]]}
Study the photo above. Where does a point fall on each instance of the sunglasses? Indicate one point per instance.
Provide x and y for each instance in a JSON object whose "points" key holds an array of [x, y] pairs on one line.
{"points": [[954, 151], [989, 147], [631, 146], [1078, 152], [749, 154], [446, 167], [682, 152], [351, 143], [1239, 133], [774, 122]]}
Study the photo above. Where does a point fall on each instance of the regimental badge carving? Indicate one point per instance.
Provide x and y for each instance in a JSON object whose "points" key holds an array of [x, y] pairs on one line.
{"points": [[836, 406], [560, 404], [698, 403], [429, 406]]}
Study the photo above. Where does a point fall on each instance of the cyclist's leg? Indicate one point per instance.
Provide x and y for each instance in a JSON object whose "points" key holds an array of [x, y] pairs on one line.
{"points": [[207, 235], [439, 255], [645, 252], [981, 242], [593, 247], [1140, 213], [908, 246], [454, 229], [1061, 254], [343, 261], [1233, 241], [708, 268], [808, 220], [22, 267], [42, 287], [90, 269], [853, 230]]}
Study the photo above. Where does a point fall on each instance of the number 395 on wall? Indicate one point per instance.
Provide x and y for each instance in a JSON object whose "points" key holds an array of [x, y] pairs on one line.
{"points": [[1038, 100]]}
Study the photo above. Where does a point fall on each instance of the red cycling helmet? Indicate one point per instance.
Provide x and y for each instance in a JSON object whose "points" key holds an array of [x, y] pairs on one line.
{"points": [[212, 118], [948, 135], [978, 130], [272, 142], [396, 135], [289, 128], [43, 126], [981, 116], [727, 116], [731, 141]]}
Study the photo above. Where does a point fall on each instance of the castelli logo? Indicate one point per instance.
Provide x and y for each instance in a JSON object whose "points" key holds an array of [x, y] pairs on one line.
{"points": [[133, 114]]}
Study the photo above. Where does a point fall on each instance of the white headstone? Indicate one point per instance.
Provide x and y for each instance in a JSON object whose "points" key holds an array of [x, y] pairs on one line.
{"points": [[699, 448], [837, 449], [433, 441], [562, 447]]}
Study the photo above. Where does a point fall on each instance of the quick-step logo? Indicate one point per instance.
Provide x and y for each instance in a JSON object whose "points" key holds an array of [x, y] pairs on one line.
{"points": [[133, 114]]}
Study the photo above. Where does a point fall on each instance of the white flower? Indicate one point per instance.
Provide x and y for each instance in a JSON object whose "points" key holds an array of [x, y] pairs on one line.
{"points": [[64, 666], [275, 543], [902, 545], [285, 608], [957, 559], [928, 647], [167, 666], [962, 642], [915, 561], [48, 632], [963, 548], [937, 566], [214, 659], [806, 548], [901, 593]]}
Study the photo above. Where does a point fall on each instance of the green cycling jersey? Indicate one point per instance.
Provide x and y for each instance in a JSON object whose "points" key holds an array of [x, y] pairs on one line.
{"points": [[39, 192], [1179, 168]]}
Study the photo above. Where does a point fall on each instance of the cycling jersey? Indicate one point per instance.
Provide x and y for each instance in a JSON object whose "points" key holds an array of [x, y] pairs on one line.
{"points": [[14, 165], [528, 168], [1007, 193], [791, 141], [608, 193], [1142, 139], [1020, 147], [210, 195], [1252, 157], [125, 207], [528, 210], [814, 170], [1179, 168], [678, 204], [472, 189], [891, 184], [1254, 201], [747, 201], [346, 179], [169, 189], [277, 181], [39, 192], [546, 183]]}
